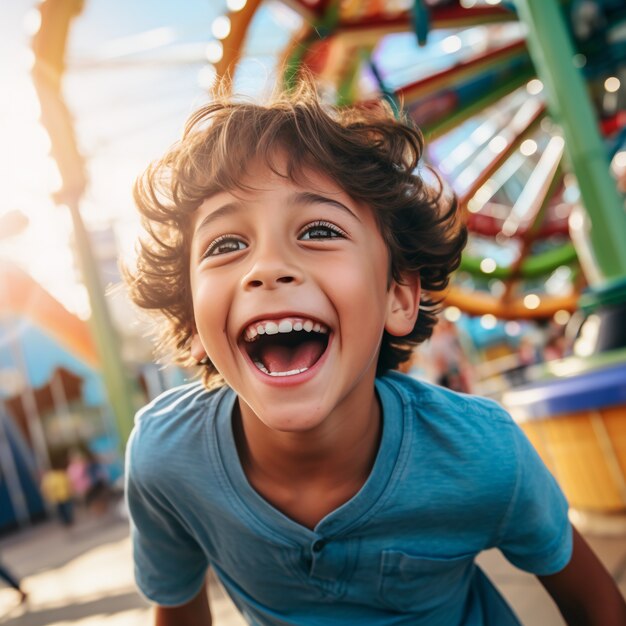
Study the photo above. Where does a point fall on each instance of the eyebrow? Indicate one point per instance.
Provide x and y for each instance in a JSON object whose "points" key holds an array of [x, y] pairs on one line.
{"points": [[226, 209], [298, 198], [308, 197]]}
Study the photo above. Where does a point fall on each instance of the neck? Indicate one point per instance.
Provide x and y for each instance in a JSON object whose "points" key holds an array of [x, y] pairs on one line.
{"points": [[344, 447]]}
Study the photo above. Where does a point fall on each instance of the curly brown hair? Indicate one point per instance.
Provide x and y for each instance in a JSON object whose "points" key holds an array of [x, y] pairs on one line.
{"points": [[363, 148]]}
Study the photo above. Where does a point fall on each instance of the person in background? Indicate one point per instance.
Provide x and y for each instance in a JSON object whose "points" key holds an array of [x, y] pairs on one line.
{"points": [[445, 358], [78, 473], [57, 490], [98, 493], [89, 478]]}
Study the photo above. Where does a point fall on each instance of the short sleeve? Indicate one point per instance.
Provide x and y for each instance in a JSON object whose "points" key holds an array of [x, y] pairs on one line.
{"points": [[535, 534], [170, 566]]}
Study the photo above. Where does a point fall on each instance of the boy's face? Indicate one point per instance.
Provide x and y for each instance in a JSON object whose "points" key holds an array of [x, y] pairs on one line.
{"points": [[291, 296]]}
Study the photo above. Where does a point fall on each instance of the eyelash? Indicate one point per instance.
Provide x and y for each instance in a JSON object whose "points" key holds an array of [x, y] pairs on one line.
{"points": [[319, 225], [216, 243]]}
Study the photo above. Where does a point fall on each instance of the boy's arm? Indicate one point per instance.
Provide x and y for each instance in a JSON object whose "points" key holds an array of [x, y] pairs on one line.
{"points": [[584, 591], [196, 612]]}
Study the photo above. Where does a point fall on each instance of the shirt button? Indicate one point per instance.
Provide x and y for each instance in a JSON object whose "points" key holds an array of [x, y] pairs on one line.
{"points": [[318, 545]]}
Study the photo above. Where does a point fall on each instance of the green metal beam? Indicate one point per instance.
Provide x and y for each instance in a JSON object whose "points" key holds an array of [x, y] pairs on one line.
{"points": [[119, 386], [536, 266], [552, 52]]}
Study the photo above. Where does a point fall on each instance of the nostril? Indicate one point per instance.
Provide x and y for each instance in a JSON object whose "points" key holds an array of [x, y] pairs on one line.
{"points": [[269, 281]]}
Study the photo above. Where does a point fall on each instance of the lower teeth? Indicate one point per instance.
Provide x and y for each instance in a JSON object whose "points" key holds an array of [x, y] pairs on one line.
{"points": [[289, 373]]}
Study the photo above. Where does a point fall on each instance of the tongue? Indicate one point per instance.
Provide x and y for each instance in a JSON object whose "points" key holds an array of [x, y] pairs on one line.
{"points": [[277, 358]]}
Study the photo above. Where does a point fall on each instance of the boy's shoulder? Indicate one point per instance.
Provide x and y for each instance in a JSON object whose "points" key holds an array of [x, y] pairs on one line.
{"points": [[178, 401], [455, 427], [439, 402], [175, 421], [469, 447]]}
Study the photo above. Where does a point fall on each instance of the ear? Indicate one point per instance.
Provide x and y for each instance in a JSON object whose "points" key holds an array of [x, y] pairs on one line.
{"points": [[197, 349], [403, 305]]}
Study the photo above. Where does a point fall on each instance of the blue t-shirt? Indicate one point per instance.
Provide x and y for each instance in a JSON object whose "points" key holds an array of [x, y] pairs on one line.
{"points": [[453, 476]]}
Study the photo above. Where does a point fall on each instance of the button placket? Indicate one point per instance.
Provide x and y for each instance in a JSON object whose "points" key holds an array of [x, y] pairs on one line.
{"points": [[316, 549], [328, 562]]}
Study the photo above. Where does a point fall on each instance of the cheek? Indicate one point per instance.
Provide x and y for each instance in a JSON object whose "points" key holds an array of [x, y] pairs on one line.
{"points": [[210, 308], [372, 274], [360, 290]]}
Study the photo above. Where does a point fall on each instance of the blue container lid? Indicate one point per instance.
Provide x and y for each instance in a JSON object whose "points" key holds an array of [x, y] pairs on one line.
{"points": [[591, 390]]}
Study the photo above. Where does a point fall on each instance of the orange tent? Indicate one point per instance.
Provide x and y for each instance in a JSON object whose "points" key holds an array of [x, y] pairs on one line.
{"points": [[21, 295]]}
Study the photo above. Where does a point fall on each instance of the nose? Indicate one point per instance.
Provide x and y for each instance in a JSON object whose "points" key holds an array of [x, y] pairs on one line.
{"points": [[270, 270]]}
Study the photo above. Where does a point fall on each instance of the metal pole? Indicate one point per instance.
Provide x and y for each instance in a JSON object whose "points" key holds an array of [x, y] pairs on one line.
{"points": [[49, 46], [117, 383], [552, 52]]}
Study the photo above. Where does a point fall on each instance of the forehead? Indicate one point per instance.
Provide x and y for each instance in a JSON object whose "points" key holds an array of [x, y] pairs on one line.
{"points": [[280, 169], [297, 186]]}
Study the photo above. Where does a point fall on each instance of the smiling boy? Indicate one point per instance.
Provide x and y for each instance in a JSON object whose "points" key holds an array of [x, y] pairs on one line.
{"points": [[297, 256]]}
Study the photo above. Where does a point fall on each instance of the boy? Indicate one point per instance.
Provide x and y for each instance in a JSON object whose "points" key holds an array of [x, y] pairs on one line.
{"points": [[291, 247]]}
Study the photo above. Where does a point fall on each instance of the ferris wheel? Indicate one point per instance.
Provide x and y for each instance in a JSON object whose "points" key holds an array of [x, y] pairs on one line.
{"points": [[465, 72]]}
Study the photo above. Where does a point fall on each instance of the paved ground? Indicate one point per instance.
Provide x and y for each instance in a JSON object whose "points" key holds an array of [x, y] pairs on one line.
{"points": [[83, 577]]}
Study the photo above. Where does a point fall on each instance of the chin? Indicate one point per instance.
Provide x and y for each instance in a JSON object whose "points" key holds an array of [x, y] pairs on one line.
{"points": [[292, 422]]}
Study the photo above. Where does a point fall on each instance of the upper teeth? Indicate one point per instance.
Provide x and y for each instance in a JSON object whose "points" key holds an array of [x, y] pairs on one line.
{"points": [[285, 325]]}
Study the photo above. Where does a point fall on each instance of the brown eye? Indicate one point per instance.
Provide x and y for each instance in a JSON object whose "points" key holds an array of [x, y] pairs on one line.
{"points": [[224, 245], [321, 230]]}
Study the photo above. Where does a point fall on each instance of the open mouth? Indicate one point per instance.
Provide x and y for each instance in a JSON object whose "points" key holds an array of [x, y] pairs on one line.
{"points": [[287, 346]]}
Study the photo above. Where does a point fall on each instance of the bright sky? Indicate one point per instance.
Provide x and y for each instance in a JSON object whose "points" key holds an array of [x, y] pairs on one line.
{"points": [[133, 76], [134, 73]]}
